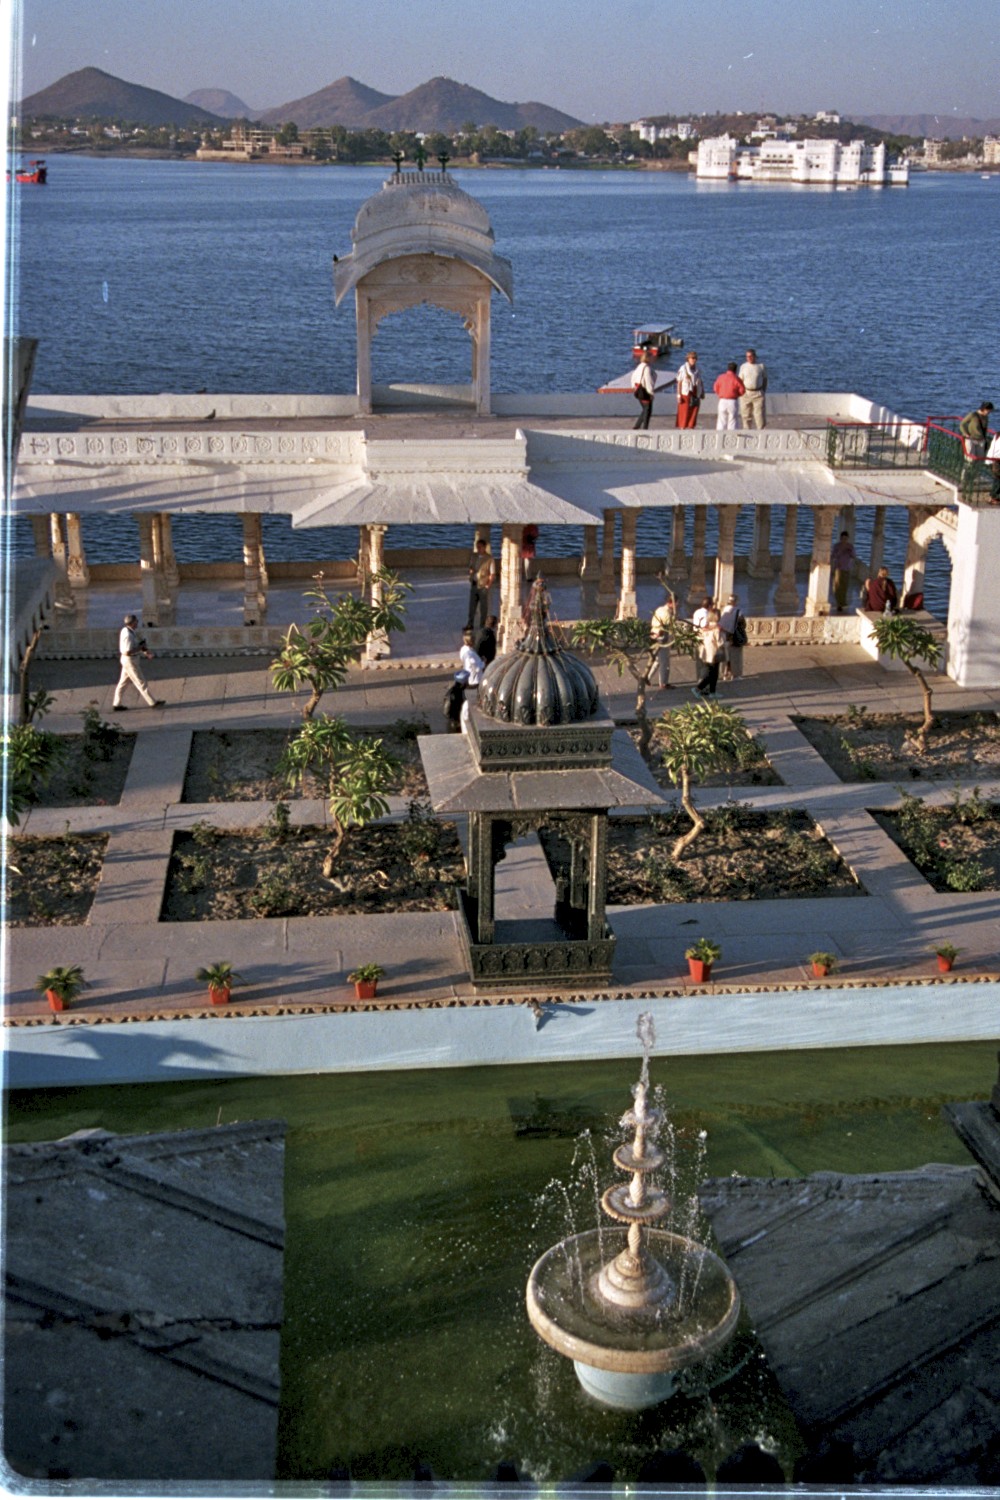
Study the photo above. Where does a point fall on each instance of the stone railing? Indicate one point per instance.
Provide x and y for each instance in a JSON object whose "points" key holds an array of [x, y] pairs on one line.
{"points": [[191, 445]]}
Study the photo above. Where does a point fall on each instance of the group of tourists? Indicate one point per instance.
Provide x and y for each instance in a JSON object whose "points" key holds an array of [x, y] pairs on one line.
{"points": [[723, 635], [740, 389]]}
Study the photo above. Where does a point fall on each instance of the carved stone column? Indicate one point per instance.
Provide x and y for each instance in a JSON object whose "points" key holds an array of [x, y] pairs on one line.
{"points": [[364, 549], [590, 562], [606, 593], [818, 593], [698, 587], [509, 623], [786, 595], [171, 571], [147, 569], [916, 554], [598, 885], [481, 356], [41, 530], [761, 563], [77, 570], [677, 562], [878, 541], [378, 644], [367, 323], [254, 586], [62, 593], [628, 606], [164, 598], [725, 566]]}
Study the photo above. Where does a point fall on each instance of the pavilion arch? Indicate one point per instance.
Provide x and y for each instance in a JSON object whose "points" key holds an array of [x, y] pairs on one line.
{"points": [[423, 240]]}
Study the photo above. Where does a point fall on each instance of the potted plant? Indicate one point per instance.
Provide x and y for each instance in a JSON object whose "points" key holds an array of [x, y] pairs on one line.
{"points": [[701, 956], [946, 956], [823, 963], [365, 980], [220, 978], [61, 985]]}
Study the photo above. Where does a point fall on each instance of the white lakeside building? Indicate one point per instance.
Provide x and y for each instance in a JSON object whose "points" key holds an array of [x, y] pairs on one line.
{"points": [[823, 162]]}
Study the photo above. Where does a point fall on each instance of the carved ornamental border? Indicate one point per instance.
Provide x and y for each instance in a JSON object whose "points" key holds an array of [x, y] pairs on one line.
{"points": [[181, 446]]}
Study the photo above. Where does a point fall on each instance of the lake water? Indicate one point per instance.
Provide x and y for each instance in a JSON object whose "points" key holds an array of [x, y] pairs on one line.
{"points": [[143, 276]]}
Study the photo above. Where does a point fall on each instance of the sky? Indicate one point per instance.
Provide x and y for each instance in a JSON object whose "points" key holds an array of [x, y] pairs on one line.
{"points": [[598, 60]]}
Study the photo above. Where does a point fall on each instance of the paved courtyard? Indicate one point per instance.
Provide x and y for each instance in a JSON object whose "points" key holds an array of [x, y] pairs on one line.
{"points": [[138, 967]]}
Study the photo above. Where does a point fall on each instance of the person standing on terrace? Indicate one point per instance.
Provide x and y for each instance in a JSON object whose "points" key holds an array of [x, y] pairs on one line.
{"points": [[690, 390], [842, 560], [482, 572], [975, 429], [729, 388], [754, 377], [643, 389]]}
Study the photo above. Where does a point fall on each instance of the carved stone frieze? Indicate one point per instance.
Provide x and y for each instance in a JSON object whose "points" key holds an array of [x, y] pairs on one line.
{"points": [[179, 446]]}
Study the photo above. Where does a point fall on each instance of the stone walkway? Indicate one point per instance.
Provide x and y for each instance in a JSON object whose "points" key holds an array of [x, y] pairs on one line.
{"points": [[140, 968]]}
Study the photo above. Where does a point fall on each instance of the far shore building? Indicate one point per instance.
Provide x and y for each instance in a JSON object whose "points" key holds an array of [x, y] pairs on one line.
{"points": [[460, 456], [825, 163]]}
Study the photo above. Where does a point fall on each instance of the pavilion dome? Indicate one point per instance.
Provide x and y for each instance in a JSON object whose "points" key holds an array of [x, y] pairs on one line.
{"points": [[421, 213], [538, 682]]}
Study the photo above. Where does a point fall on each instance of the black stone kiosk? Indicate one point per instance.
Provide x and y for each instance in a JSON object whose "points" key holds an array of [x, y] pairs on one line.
{"points": [[540, 755]]}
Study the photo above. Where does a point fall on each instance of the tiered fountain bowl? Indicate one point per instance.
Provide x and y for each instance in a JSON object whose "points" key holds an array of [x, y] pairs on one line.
{"points": [[661, 1301]]}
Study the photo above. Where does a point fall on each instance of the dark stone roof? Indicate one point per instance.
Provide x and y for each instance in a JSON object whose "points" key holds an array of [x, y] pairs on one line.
{"points": [[538, 682]]}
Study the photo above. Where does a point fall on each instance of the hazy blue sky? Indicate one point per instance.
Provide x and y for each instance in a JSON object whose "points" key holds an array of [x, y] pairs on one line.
{"points": [[596, 59]]}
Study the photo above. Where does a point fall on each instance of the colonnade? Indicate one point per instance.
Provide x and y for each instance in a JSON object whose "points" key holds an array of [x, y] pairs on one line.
{"points": [[610, 580]]}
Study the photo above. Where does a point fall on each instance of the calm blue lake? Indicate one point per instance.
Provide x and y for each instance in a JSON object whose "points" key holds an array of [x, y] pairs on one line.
{"points": [[143, 276]]}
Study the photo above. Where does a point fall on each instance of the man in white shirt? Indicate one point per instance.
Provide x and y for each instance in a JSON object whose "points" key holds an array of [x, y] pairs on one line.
{"points": [[754, 377], [130, 648], [472, 664], [659, 627]]}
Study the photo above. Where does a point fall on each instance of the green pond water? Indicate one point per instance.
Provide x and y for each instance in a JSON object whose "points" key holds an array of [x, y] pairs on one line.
{"points": [[417, 1202]]}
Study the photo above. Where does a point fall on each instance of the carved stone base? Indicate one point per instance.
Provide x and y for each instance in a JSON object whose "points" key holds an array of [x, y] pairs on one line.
{"points": [[525, 965]]}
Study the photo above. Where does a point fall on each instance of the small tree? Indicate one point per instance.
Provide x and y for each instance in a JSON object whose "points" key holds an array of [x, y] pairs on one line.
{"points": [[904, 640], [321, 655], [30, 756], [355, 772], [632, 647], [696, 740]]}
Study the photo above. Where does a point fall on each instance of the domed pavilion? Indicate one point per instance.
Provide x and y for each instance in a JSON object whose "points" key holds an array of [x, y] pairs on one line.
{"points": [[541, 756], [422, 239]]}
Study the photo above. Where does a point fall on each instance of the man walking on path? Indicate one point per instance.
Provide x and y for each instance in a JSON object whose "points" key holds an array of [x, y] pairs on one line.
{"points": [[842, 560], [481, 575], [643, 389], [690, 390], [129, 649], [659, 627], [754, 378], [729, 388]]}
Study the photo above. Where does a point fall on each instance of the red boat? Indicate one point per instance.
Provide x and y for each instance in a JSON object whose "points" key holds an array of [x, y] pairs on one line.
{"points": [[35, 171]]}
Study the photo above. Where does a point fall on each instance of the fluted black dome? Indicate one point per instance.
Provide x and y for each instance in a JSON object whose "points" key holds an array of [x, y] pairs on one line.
{"points": [[538, 682]]}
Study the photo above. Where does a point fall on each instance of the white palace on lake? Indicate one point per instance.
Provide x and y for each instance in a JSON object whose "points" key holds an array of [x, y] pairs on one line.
{"points": [[825, 163], [457, 456]]}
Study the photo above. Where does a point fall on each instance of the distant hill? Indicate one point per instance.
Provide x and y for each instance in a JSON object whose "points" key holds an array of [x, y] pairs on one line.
{"points": [[944, 127], [344, 102], [90, 94], [441, 104], [220, 102]]}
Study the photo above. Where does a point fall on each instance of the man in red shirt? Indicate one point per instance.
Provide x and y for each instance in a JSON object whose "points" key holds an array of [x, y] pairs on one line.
{"points": [[729, 388]]}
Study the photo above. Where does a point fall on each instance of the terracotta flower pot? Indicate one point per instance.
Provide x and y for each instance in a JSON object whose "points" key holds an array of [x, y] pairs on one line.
{"points": [[701, 972], [364, 989], [219, 994], [56, 1001], [820, 971], [944, 964]]}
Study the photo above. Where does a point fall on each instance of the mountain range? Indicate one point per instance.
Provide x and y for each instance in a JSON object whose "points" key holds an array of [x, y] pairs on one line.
{"points": [[934, 127], [440, 104]]}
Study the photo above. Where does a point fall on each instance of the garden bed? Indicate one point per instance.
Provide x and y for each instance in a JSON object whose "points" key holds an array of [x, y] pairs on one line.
{"points": [[740, 855], [241, 765], [382, 868], [51, 882], [90, 772], [753, 771], [862, 746], [955, 847]]}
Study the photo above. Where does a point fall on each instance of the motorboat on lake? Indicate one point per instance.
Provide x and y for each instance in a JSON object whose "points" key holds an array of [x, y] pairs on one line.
{"points": [[35, 171]]}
